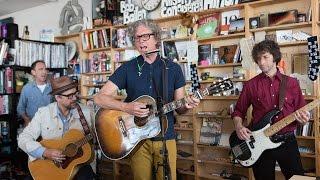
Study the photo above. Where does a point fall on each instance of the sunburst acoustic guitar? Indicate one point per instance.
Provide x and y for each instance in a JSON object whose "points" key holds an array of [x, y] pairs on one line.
{"points": [[118, 133], [75, 145]]}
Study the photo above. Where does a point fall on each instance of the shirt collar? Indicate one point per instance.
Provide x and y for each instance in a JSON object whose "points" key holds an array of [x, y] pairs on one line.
{"points": [[73, 113], [277, 76]]}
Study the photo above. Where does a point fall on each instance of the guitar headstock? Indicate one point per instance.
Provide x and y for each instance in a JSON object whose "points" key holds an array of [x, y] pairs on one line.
{"points": [[220, 86]]}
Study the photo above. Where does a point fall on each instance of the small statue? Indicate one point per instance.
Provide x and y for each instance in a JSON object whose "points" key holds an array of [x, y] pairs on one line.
{"points": [[71, 21]]}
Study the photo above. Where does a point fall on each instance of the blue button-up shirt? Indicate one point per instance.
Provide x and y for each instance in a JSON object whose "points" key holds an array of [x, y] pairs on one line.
{"points": [[127, 77], [31, 99]]}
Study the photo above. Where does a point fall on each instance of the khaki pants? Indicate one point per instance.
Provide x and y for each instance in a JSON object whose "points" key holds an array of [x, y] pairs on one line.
{"points": [[148, 155]]}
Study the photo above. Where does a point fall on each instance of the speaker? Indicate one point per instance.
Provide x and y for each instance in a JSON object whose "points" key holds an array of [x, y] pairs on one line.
{"points": [[12, 33]]}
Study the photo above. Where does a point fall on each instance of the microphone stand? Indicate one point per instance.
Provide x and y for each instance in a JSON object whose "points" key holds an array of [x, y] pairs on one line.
{"points": [[166, 172]]}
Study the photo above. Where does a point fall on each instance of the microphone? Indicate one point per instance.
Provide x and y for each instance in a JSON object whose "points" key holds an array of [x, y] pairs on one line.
{"points": [[153, 51]]}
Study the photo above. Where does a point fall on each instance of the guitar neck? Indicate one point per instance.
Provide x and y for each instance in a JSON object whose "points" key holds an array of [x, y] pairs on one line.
{"points": [[84, 140], [288, 120], [199, 94]]}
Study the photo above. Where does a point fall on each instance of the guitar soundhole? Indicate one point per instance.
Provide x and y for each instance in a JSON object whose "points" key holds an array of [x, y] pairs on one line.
{"points": [[71, 150], [140, 121]]}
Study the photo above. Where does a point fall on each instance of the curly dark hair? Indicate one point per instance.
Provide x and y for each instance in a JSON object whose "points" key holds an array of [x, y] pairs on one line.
{"points": [[264, 47]]}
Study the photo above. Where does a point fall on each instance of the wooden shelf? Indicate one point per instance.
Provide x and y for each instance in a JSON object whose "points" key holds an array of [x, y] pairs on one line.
{"points": [[306, 137], [294, 43], [307, 155], [214, 116], [211, 146], [306, 97], [211, 177], [222, 37], [221, 98], [67, 36], [119, 26], [185, 172], [97, 28], [178, 39], [187, 159], [285, 26], [219, 163], [96, 50], [123, 49], [183, 129], [223, 9], [96, 73], [165, 19], [220, 65]]}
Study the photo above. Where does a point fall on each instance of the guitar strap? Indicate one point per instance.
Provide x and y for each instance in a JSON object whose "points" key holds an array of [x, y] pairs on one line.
{"points": [[83, 121], [282, 91], [164, 81]]}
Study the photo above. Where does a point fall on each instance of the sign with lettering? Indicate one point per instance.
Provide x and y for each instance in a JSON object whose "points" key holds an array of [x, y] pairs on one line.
{"points": [[131, 12], [173, 7]]}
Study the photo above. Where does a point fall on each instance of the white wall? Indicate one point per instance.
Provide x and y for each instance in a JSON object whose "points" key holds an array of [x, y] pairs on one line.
{"points": [[45, 16]]}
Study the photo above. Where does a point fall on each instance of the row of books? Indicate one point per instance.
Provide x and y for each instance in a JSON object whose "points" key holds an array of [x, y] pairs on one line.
{"points": [[6, 81], [3, 51], [95, 39], [26, 52], [209, 55], [305, 130], [4, 104], [97, 62]]}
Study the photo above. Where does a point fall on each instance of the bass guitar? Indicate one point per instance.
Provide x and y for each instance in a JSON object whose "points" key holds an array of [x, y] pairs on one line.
{"points": [[77, 150], [118, 133], [247, 152]]}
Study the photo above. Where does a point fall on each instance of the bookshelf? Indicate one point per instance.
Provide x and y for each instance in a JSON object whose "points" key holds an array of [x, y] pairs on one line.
{"points": [[196, 167]]}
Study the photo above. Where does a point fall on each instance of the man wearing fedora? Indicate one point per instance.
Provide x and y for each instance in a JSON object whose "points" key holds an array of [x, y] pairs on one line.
{"points": [[53, 121]]}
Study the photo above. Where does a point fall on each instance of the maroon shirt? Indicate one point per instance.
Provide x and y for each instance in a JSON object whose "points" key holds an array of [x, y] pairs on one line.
{"points": [[263, 94]]}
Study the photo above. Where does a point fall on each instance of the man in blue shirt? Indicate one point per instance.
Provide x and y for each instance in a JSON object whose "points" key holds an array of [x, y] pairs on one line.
{"points": [[143, 76], [34, 94]]}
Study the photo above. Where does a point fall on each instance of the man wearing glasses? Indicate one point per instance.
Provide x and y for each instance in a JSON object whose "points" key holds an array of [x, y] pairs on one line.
{"points": [[53, 121], [143, 76]]}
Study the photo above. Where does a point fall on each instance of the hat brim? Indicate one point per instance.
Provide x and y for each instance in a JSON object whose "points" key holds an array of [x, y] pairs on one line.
{"points": [[64, 88]]}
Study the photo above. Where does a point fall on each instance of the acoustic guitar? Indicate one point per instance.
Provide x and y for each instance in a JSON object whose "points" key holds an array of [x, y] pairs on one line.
{"points": [[118, 133], [77, 149]]}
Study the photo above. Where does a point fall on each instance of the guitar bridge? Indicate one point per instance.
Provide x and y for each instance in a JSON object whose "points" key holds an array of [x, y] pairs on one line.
{"points": [[122, 127]]}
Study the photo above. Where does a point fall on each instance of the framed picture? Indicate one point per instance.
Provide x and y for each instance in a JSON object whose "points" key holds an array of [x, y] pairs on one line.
{"points": [[254, 22], [286, 17], [300, 63], [236, 26]]}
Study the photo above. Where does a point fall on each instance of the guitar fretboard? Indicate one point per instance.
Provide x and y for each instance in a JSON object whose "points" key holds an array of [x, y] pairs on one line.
{"points": [[289, 119], [84, 140], [199, 94]]}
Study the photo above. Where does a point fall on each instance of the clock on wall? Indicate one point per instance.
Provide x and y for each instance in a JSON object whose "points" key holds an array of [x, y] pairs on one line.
{"points": [[150, 5]]}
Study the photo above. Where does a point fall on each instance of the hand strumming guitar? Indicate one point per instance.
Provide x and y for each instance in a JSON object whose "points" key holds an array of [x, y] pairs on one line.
{"points": [[137, 109], [54, 154]]}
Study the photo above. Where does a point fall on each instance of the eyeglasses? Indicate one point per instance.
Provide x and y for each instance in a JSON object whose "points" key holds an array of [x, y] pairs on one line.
{"points": [[143, 37], [70, 96]]}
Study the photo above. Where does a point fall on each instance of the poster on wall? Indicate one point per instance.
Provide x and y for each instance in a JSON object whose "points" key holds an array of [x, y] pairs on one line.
{"points": [[133, 10]]}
